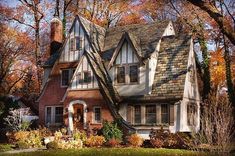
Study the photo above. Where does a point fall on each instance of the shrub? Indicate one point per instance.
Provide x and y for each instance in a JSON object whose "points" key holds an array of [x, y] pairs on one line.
{"points": [[58, 135], [20, 135], [158, 143], [77, 135], [34, 139], [111, 130], [163, 138], [95, 141], [5, 147], [44, 132], [73, 144], [113, 142], [53, 145], [22, 144], [135, 140]]}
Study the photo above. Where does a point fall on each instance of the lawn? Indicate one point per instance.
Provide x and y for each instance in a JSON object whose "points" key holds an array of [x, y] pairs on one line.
{"points": [[111, 152]]}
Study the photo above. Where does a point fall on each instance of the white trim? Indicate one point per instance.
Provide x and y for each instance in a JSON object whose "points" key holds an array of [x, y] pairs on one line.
{"points": [[52, 114], [93, 115], [71, 111]]}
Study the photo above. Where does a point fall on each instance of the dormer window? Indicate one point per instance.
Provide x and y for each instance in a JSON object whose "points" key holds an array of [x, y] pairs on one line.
{"points": [[121, 74], [75, 43], [133, 73], [78, 43], [127, 74], [84, 77]]}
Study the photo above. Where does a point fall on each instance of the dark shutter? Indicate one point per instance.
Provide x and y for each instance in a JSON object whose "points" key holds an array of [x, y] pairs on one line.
{"points": [[172, 115], [129, 114]]}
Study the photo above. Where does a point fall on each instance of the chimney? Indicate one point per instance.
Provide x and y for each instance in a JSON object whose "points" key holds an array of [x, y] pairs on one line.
{"points": [[56, 34]]}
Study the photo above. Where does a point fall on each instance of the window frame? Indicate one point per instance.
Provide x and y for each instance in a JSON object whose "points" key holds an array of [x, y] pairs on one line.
{"points": [[127, 74], [154, 106], [64, 85], [72, 44], [52, 116], [94, 115], [139, 114], [167, 114], [70, 76]]}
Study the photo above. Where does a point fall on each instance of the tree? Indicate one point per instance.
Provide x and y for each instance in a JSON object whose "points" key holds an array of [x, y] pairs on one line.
{"points": [[212, 10]]}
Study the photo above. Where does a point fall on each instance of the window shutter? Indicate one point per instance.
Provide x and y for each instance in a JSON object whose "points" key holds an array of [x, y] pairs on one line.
{"points": [[129, 113], [172, 115]]}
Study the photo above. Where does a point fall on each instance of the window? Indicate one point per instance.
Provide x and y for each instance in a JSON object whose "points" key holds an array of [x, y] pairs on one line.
{"points": [[78, 43], [54, 115], [138, 114], [134, 73], [165, 113], [72, 44], [191, 114], [65, 77], [86, 76], [150, 114], [127, 74], [58, 114], [120, 74], [48, 115], [97, 114]]}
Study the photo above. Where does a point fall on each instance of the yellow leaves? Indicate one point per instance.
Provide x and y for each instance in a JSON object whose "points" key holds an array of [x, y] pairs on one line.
{"points": [[217, 67]]}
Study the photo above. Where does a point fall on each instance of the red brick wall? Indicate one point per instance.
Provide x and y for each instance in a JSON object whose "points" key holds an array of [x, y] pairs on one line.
{"points": [[91, 98], [53, 92]]}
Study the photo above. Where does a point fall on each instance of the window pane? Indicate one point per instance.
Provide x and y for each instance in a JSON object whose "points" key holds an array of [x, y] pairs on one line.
{"points": [[72, 44], [97, 114], [58, 114], [87, 77], [191, 112], [77, 43], [65, 77], [138, 114], [48, 115], [150, 113], [120, 74], [165, 113], [134, 73]]}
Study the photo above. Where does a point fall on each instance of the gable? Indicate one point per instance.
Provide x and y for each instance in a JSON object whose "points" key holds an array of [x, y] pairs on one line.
{"points": [[71, 51], [126, 55], [78, 80]]}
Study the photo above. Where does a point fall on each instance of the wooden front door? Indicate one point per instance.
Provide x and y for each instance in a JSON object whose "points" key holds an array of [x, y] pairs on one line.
{"points": [[78, 116]]}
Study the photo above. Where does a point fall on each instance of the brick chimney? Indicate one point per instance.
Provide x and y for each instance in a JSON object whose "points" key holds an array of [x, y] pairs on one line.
{"points": [[56, 34]]}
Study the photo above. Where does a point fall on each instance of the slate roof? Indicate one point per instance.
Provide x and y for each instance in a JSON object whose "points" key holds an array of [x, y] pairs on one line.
{"points": [[146, 35], [51, 60]]}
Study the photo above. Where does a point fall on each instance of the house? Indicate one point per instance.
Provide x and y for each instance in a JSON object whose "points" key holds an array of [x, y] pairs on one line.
{"points": [[143, 75]]}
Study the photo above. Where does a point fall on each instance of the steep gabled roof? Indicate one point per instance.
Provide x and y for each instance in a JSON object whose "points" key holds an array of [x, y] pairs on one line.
{"points": [[145, 35], [95, 33], [134, 43]]}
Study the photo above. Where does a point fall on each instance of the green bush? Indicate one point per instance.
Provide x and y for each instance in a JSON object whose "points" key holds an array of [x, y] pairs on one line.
{"points": [[53, 145], [111, 130]]}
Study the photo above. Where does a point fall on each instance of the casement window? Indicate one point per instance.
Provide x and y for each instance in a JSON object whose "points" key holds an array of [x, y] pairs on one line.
{"points": [[133, 73], [97, 115], [137, 112], [159, 114], [127, 74], [72, 47], [54, 115], [66, 76], [84, 77], [121, 75], [78, 43], [191, 113], [164, 114], [150, 114]]}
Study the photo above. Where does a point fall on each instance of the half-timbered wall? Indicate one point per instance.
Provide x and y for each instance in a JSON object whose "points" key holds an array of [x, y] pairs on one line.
{"points": [[126, 57], [78, 81], [69, 54]]}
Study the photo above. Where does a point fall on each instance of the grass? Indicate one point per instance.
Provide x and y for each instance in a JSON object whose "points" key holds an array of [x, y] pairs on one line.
{"points": [[112, 152], [5, 147]]}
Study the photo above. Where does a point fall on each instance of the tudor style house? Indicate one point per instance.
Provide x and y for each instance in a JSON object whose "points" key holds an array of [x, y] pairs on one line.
{"points": [[143, 74]]}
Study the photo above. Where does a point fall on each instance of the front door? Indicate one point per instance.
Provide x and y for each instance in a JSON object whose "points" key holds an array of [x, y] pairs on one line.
{"points": [[78, 116]]}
